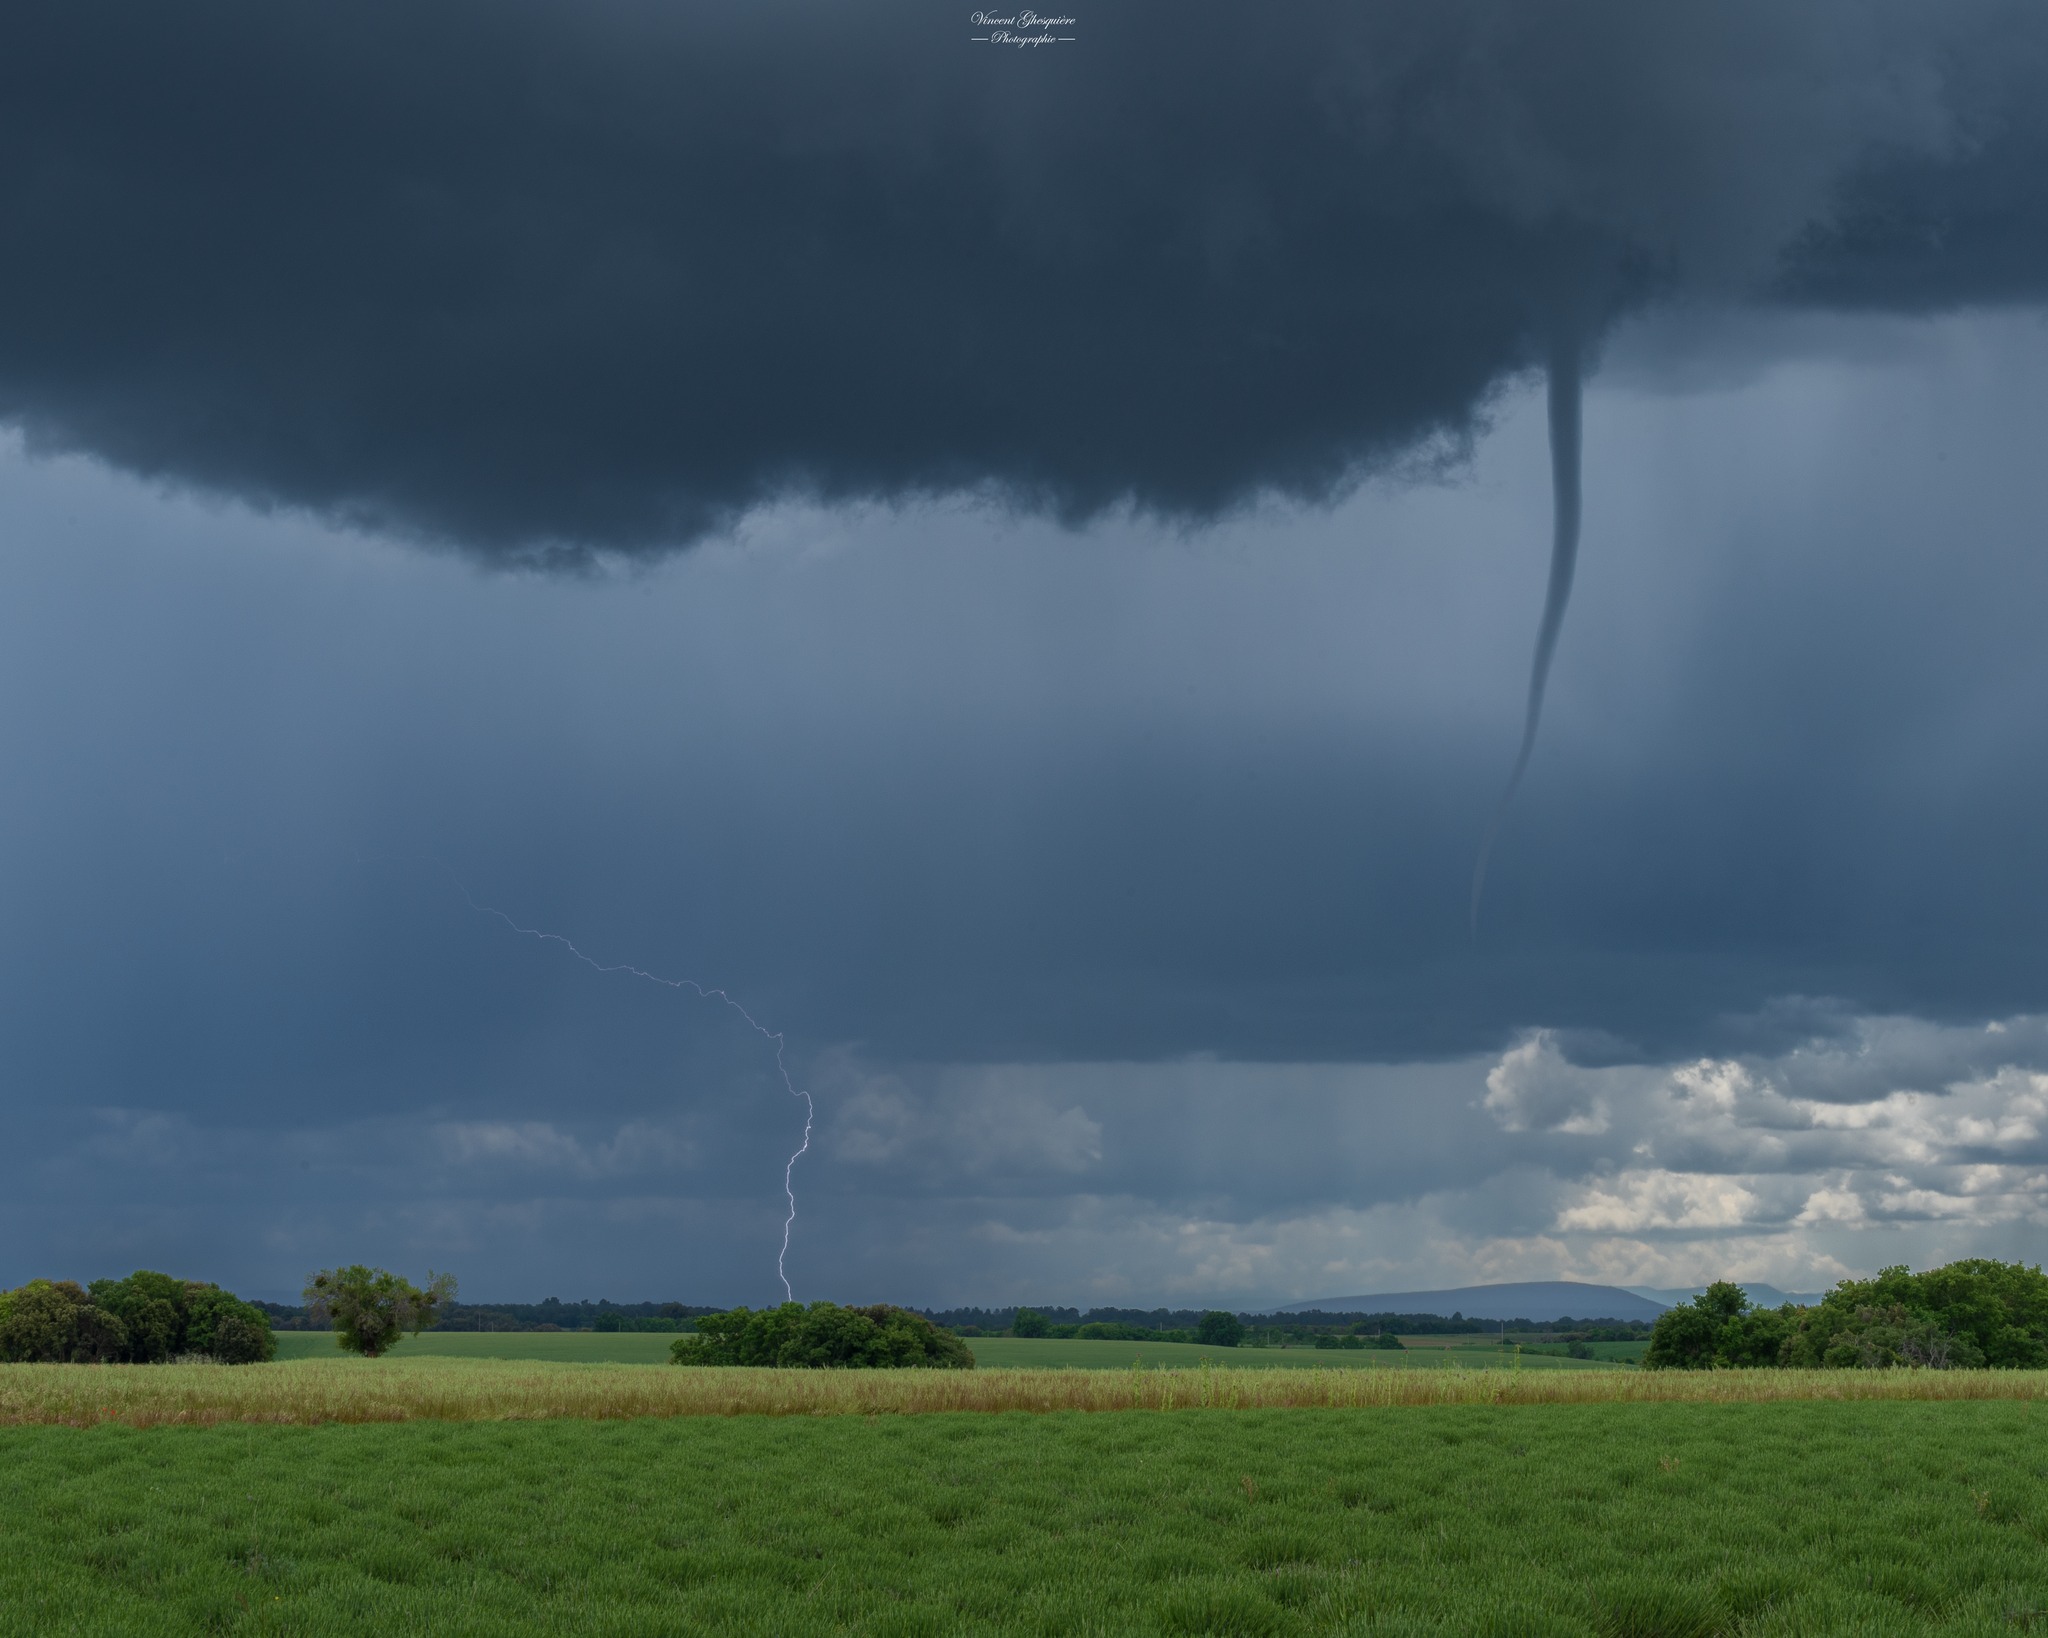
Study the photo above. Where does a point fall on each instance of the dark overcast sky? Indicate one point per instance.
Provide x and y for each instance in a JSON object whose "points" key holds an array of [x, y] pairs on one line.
{"points": [[1022, 566]]}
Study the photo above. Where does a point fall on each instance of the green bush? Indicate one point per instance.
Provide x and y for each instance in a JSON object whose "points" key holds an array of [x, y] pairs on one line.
{"points": [[145, 1319], [1719, 1327], [153, 1308], [1220, 1330], [1883, 1337], [1970, 1313], [225, 1329], [371, 1308], [54, 1322], [822, 1336]]}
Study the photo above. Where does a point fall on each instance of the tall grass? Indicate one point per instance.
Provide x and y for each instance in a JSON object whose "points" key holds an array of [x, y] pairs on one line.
{"points": [[394, 1390]]}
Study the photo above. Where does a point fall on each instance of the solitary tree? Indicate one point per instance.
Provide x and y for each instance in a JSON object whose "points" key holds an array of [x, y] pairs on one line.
{"points": [[1220, 1330], [371, 1308]]}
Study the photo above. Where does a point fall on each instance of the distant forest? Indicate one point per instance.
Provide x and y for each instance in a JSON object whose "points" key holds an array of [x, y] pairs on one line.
{"points": [[556, 1315]]}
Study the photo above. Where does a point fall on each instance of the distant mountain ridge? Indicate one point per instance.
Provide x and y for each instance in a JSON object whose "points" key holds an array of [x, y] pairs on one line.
{"points": [[1539, 1300]]}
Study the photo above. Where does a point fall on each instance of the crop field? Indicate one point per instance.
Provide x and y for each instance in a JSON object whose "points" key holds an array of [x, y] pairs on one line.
{"points": [[1628, 1353], [1634, 1520], [441, 1389], [990, 1353]]}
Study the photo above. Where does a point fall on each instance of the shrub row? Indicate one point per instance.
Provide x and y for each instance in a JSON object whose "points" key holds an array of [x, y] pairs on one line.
{"points": [[822, 1336]]}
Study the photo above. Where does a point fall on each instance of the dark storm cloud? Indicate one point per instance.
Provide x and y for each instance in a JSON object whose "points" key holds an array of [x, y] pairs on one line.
{"points": [[1013, 831], [537, 278], [1956, 223]]}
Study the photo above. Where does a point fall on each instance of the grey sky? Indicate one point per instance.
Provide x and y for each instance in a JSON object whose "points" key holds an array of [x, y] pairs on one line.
{"points": [[1104, 863]]}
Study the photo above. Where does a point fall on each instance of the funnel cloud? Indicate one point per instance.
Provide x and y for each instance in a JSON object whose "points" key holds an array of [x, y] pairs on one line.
{"points": [[1563, 417]]}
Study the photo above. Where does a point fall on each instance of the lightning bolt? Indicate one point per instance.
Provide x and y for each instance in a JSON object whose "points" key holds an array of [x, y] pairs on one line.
{"points": [[709, 994]]}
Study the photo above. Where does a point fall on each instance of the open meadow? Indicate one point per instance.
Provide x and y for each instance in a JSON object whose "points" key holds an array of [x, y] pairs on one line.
{"points": [[1632, 1518]]}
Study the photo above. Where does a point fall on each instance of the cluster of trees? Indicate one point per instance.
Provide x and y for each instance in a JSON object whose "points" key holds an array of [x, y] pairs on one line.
{"points": [[822, 1336], [1972, 1313], [145, 1319], [1358, 1339]]}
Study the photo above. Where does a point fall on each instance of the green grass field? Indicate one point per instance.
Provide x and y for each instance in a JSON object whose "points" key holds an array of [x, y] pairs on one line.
{"points": [[1629, 1520], [578, 1347], [1629, 1353], [990, 1353]]}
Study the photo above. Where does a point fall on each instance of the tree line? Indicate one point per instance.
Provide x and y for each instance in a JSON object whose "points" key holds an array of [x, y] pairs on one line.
{"points": [[1973, 1313], [1215, 1328]]}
